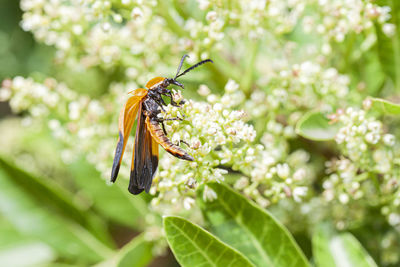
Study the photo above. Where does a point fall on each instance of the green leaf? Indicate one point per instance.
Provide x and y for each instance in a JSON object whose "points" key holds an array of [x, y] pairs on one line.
{"points": [[389, 47], [316, 126], [193, 246], [52, 196], [33, 219], [137, 253], [250, 229], [341, 250], [115, 202], [384, 107], [34, 254], [10, 236]]}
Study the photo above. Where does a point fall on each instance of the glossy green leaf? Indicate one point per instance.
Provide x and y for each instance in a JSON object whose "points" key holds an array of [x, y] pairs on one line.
{"points": [[193, 246], [341, 250], [389, 47], [55, 198], [384, 107], [250, 229], [316, 126], [33, 219]]}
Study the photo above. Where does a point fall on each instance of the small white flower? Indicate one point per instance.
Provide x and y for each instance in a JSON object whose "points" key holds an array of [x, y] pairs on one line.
{"points": [[203, 4], [188, 203], [299, 175], [136, 13], [372, 138], [394, 219], [211, 16], [389, 139], [5, 94], [299, 192], [209, 194], [389, 29], [283, 170], [231, 86], [344, 198], [203, 90]]}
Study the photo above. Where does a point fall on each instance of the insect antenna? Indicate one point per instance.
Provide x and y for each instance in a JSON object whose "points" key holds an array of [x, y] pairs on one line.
{"points": [[180, 65], [192, 67]]}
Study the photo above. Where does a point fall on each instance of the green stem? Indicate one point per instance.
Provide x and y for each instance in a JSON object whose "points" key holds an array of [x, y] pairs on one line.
{"points": [[164, 11], [224, 67], [247, 80], [182, 12], [395, 6]]}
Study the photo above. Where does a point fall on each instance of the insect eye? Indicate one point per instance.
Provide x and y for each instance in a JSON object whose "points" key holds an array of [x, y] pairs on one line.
{"points": [[165, 83]]}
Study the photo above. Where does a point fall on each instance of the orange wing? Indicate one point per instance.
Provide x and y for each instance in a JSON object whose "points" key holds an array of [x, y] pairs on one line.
{"points": [[154, 81], [144, 159], [127, 117]]}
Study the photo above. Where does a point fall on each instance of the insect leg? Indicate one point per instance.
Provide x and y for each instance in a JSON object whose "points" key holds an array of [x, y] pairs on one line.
{"points": [[160, 120], [163, 128], [173, 119], [172, 100], [183, 141], [168, 119]]}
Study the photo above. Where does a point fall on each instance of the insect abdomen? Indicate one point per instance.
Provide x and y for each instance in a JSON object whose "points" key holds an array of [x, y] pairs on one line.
{"points": [[158, 135]]}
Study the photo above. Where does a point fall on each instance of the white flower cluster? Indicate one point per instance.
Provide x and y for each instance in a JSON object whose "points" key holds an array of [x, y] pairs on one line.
{"points": [[338, 18], [77, 121], [303, 86], [99, 32], [271, 180], [361, 134], [108, 33], [218, 139], [343, 183], [251, 19], [266, 178], [371, 164]]}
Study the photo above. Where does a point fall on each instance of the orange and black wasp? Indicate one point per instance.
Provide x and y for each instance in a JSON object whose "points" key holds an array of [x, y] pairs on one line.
{"points": [[146, 104]]}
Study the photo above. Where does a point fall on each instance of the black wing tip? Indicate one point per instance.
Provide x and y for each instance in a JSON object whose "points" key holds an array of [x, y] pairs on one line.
{"points": [[185, 156], [188, 157], [135, 190], [114, 173], [133, 187], [117, 158]]}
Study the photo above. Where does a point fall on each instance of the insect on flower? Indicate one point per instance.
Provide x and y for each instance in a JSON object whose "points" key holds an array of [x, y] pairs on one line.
{"points": [[146, 104]]}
